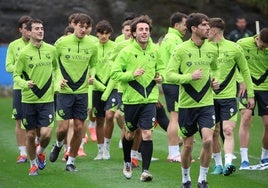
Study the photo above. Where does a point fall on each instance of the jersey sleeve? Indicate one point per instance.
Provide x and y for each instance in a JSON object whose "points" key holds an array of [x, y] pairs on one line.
{"points": [[172, 73], [244, 71], [18, 71], [119, 72], [10, 60]]}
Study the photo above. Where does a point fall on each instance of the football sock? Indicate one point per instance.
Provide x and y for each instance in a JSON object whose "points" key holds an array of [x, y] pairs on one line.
{"points": [[202, 174], [185, 175], [127, 144], [217, 158], [146, 153], [244, 154]]}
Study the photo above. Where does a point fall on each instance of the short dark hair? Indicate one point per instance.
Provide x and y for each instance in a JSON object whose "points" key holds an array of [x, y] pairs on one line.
{"points": [[127, 22], [104, 26], [72, 16], [264, 35], [30, 22], [23, 20], [176, 18], [194, 19], [141, 19], [217, 22], [83, 19]]}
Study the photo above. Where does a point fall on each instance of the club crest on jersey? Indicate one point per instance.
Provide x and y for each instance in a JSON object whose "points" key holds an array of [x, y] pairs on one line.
{"points": [[189, 63], [152, 55], [48, 56], [86, 51], [226, 54], [209, 54], [31, 66]]}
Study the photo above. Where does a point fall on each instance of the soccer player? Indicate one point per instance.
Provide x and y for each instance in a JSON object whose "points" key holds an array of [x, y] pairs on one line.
{"points": [[139, 67], [256, 52], [230, 58], [77, 56], [176, 31], [37, 63], [192, 66], [104, 94], [126, 32], [13, 51], [129, 16]]}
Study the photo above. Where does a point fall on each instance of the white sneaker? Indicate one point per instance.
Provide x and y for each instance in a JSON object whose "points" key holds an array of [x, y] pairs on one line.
{"points": [[106, 153], [99, 156], [127, 170], [120, 145], [146, 176], [176, 158]]}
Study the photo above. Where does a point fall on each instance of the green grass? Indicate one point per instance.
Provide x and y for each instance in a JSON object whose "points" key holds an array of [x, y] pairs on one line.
{"points": [[101, 174]]}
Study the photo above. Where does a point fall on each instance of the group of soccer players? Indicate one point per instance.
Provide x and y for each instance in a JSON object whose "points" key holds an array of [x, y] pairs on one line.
{"points": [[84, 75]]}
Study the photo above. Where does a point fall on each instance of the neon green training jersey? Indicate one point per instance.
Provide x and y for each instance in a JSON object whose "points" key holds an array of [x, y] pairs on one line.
{"points": [[13, 51], [104, 64], [230, 58], [186, 59], [38, 65], [257, 63], [141, 89], [77, 57], [172, 39]]}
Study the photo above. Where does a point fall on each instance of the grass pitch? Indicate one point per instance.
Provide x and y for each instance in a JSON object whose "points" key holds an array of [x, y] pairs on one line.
{"points": [[108, 174]]}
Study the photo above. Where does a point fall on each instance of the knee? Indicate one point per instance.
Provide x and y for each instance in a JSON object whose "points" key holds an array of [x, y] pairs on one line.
{"points": [[146, 134], [129, 136], [31, 135], [228, 131], [207, 144], [187, 148]]}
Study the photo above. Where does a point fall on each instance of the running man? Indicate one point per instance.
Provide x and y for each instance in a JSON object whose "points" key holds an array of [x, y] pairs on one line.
{"points": [[139, 67], [176, 31], [192, 66], [77, 56], [13, 51], [37, 63], [230, 58], [104, 94]]}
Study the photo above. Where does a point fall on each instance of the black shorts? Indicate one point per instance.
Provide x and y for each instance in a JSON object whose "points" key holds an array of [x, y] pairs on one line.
{"points": [[17, 105], [225, 109], [192, 120], [38, 115], [99, 106], [261, 99], [171, 93], [72, 106], [140, 116]]}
